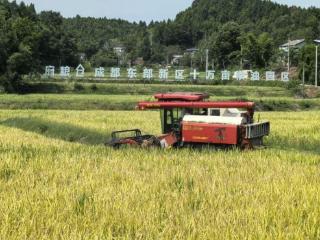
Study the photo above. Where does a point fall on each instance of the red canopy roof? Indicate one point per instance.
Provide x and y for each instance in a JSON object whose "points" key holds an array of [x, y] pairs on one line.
{"points": [[179, 104], [181, 96]]}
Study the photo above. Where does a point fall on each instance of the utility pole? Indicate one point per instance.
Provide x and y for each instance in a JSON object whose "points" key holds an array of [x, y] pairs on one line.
{"points": [[241, 60], [289, 55], [207, 60], [303, 79], [316, 73]]}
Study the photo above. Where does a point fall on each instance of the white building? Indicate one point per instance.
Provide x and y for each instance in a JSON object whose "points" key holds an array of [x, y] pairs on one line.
{"points": [[176, 59], [299, 43], [119, 50]]}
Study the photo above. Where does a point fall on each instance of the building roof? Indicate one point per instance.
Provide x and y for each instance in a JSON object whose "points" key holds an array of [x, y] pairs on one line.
{"points": [[192, 50], [194, 104], [293, 43], [181, 96]]}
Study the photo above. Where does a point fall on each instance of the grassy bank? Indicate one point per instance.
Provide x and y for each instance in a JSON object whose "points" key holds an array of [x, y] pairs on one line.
{"points": [[128, 102], [148, 89]]}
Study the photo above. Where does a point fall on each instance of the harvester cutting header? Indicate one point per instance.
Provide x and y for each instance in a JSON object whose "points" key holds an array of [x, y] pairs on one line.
{"points": [[191, 119]]}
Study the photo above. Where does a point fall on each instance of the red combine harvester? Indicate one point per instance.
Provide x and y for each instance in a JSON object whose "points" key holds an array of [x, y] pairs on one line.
{"points": [[191, 119]]}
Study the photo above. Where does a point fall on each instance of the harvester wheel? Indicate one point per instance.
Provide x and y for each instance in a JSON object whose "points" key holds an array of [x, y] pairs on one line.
{"points": [[246, 145]]}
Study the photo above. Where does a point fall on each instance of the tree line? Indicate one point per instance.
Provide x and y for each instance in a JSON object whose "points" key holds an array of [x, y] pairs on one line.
{"points": [[29, 41]]}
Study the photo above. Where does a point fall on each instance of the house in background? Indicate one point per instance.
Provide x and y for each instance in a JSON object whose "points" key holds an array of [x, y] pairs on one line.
{"points": [[176, 59], [139, 61], [294, 44], [191, 51], [119, 50]]}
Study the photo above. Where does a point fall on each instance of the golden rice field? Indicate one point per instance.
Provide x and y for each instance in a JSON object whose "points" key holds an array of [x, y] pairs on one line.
{"points": [[58, 181]]}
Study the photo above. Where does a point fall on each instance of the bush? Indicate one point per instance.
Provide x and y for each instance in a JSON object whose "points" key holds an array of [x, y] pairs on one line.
{"points": [[78, 87], [94, 87], [12, 83]]}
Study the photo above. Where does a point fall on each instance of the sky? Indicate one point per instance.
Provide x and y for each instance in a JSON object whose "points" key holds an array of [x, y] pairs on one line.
{"points": [[132, 10]]}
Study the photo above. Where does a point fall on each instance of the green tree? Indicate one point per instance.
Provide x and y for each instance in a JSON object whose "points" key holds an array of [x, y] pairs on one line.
{"points": [[21, 61], [226, 44], [58, 47], [29, 41], [105, 58], [266, 48], [307, 61], [144, 46], [258, 51]]}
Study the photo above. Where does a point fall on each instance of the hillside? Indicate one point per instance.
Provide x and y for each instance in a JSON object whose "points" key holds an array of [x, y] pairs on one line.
{"points": [[236, 32], [92, 34], [204, 18], [232, 30], [257, 16]]}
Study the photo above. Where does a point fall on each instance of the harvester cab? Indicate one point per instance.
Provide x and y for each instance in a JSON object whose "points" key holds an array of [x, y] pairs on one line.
{"points": [[191, 119]]}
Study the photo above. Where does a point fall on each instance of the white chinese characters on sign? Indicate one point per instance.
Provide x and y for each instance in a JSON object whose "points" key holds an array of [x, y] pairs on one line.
{"points": [[194, 74], [285, 76], [210, 75], [49, 71], [148, 73], [239, 75], [80, 71], [65, 71], [179, 75], [132, 73], [115, 72], [255, 76], [270, 76], [225, 75], [163, 74], [99, 72]]}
